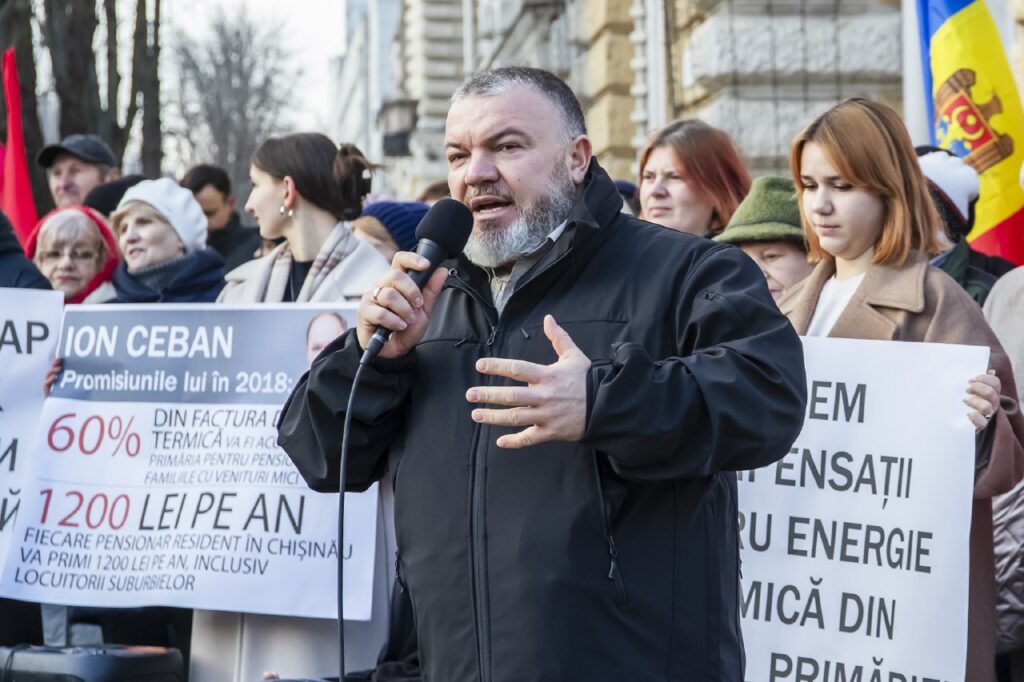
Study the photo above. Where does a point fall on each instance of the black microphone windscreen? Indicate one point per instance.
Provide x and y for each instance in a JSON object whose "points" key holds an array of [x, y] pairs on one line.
{"points": [[448, 223]]}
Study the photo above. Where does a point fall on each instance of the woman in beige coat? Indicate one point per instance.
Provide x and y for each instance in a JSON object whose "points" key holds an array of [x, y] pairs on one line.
{"points": [[305, 189], [870, 227]]}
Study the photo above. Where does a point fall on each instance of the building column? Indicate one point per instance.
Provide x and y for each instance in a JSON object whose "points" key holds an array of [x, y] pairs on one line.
{"points": [[609, 102]]}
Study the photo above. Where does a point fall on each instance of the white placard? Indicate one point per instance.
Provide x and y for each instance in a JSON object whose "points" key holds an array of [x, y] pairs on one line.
{"points": [[29, 327], [855, 545], [158, 480]]}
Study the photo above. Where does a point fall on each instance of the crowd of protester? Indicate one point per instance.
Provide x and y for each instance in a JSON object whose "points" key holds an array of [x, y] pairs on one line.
{"points": [[865, 239]]}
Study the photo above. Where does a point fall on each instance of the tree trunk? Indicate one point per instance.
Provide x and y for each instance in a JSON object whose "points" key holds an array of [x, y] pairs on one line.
{"points": [[69, 29], [152, 135], [16, 32], [140, 69], [109, 117]]}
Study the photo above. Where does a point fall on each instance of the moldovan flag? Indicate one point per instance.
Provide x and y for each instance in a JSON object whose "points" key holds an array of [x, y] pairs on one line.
{"points": [[16, 192], [977, 114]]}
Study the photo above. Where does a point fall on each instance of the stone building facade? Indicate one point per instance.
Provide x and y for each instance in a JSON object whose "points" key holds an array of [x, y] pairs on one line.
{"points": [[362, 77], [1016, 38], [756, 68], [428, 57], [759, 69]]}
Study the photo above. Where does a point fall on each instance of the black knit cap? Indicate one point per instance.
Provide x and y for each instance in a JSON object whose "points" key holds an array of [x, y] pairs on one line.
{"points": [[105, 198]]}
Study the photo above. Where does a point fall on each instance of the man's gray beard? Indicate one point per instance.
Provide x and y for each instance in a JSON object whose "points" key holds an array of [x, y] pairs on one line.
{"points": [[491, 247]]}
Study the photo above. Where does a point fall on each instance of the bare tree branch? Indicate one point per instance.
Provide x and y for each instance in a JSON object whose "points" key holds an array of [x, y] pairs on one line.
{"points": [[235, 90]]}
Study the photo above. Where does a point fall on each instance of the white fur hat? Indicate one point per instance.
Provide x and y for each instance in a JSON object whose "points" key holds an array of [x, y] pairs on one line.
{"points": [[953, 177], [176, 204]]}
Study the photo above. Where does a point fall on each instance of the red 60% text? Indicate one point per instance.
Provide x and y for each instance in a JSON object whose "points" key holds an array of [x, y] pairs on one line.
{"points": [[92, 434]]}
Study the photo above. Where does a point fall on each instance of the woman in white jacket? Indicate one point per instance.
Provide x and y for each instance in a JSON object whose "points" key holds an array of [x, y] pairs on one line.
{"points": [[306, 190]]}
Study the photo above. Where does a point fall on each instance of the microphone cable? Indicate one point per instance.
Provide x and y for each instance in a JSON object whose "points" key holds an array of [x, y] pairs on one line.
{"points": [[342, 481]]}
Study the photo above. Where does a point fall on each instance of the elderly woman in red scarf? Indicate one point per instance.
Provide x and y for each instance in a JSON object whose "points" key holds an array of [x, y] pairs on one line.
{"points": [[76, 251]]}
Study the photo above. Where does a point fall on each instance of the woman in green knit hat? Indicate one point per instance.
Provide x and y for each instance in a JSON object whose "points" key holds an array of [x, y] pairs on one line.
{"points": [[766, 226]]}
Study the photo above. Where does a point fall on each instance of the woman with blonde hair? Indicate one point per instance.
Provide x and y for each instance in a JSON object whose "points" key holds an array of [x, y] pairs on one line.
{"points": [[76, 251], [691, 178], [870, 228], [161, 230]]}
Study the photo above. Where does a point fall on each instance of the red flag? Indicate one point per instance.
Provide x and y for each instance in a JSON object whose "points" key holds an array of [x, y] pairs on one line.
{"points": [[16, 193]]}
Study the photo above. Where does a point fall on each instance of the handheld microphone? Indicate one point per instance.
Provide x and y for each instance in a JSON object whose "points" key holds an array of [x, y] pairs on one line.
{"points": [[443, 234]]}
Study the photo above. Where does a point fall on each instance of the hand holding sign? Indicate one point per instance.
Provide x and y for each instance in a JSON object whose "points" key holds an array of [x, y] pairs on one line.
{"points": [[52, 375], [983, 399]]}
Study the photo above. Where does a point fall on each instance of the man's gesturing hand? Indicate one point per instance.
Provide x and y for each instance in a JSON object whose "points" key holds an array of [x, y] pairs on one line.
{"points": [[396, 303], [552, 405]]}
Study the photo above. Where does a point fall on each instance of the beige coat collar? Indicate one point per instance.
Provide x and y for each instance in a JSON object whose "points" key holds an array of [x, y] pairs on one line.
{"points": [[884, 286]]}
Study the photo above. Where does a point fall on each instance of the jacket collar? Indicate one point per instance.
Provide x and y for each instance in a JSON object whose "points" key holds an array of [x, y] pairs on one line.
{"points": [[884, 286], [599, 204]]}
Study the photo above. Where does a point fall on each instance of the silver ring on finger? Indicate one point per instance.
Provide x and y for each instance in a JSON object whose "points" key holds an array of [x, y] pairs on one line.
{"points": [[376, 293]]}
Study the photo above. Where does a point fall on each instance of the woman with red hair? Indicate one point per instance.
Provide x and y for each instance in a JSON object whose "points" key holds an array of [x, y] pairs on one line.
{"points": [[76, 251], [871, 229], [691, 178]]}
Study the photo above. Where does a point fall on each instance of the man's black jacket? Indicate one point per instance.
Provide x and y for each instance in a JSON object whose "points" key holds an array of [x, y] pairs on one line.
{"points": [[16, 271], [614, 558]]}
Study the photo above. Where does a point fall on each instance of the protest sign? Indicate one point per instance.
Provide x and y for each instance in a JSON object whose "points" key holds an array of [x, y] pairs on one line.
{"points": [[157, 478], [855, 545], [29, 325]]}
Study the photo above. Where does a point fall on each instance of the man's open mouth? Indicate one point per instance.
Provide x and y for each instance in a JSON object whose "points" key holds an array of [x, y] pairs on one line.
{"points": [[488, 204]]}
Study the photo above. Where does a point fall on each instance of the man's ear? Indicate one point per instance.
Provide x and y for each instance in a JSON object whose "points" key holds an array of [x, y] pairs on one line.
{"points": [[231, 202], [580, 153], [112, 174]]}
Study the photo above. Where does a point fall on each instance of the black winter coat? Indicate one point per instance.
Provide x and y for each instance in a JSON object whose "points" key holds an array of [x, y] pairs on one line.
{"points": [[614, 558], [235, 242], [199, 281], [17, 271]]}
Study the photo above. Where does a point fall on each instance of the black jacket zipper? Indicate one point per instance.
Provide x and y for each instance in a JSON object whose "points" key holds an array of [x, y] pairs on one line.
{"points": [[398, 571], [614, 574], [477, 504]]}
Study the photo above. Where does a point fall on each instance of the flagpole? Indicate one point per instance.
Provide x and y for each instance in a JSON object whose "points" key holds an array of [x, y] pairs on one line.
{"points": [[915, 114]]}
